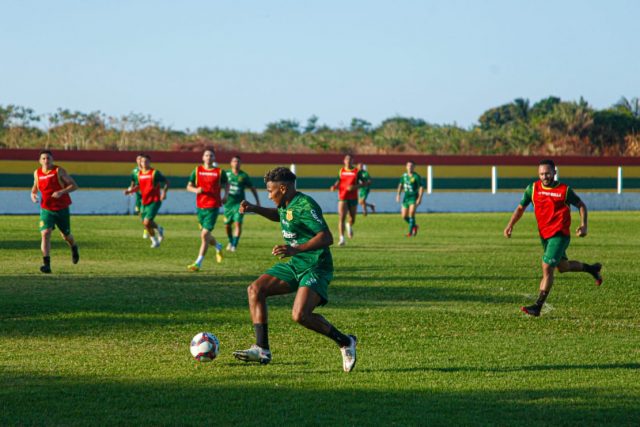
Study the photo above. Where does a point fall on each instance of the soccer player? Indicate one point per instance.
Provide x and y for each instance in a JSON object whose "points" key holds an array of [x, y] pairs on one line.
{"points": [[308, 272], [134, 183], [153, 187], [206, 181], [347, 184], [239, 180], [363, 192], [54, 185], [411, 184], [551, 200]]}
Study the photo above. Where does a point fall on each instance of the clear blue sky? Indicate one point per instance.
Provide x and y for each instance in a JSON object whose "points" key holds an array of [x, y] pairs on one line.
{"points": [[242, 64]]}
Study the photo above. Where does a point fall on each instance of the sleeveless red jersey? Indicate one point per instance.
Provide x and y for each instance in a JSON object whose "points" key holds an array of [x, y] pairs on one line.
{"points": [[209, 181], [48, 183], [347, 178], [552, 211], [149, 190]]}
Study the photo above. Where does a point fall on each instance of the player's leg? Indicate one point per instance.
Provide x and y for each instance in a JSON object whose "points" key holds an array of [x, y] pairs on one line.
{"points": [[45, 247], [238, 217], [265, 286], [63, 223], [352, 209], [545, 287], [307, 299], [363, 203], [228, 225], [207, 220], [594, 270], [413, 227], [404, 212], [342, 214]]}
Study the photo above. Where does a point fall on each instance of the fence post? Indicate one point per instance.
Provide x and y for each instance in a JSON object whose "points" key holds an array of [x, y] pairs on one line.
{"points": [[293, 167], [494, 180], [429, 179], [619, 179]]}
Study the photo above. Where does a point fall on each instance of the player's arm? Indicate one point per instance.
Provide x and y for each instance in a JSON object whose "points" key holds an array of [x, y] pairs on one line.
{"points": [[269, 213], [70, 184], [335, 185], [163, 183], [255, 194], [321, 240], [34, 189], [573, 199], [527, 197], [398, 193], [226, 192], [420, 193], [191, 184]]}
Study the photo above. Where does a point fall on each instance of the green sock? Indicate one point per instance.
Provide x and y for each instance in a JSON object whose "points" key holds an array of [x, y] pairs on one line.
{"points": [[412, 222], [235, 240], [406, 219]]}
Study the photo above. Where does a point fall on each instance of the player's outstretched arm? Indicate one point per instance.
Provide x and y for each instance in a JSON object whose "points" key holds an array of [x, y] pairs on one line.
{"points": [[34, 189], [193, 189], [581, 231], [321, 240], [420, 193], [255, 194], [398, 193], [269, 213], [517, 214]]}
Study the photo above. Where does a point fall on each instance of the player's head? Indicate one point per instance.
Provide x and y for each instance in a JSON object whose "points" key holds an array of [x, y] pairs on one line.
{"points": [[208, 156], [145, 161], [547, 171], [361, 166], [411, 165], [281, 184], [348, 161], [138, 158], [46, 158], [235, 162]]}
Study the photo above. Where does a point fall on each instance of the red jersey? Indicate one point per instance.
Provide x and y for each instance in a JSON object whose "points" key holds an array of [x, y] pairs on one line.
{"points": [[348, 177], [48, 183], [552, 209], [210, 181], [148, 182]]}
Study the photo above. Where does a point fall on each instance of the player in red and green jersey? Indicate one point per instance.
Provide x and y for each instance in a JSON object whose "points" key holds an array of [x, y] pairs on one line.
{"points": [[54, 185], [308, 272], [363, 191], [411, 184], [134, 183], [349, 180], [239, 180], [206, 181], [551, 200], [153, 187]]}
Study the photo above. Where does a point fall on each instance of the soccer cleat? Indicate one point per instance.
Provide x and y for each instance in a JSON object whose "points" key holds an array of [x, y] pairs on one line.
{"points": [[193, 267], [160, 234], [349, 354], [145, 234], [596, 274], [218, 255], [414, 230], [75, 255], [254, 354], [341, 242], [155, 244], [45, 269], [349, 231], [232, 249], [229, 246], [531, 310]]}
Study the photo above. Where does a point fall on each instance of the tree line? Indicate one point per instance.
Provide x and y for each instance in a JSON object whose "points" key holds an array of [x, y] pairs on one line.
{"points": [[550, 126]]}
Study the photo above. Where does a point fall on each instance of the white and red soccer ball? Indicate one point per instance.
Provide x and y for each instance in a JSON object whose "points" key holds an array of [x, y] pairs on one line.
{"points": [[205, 347]]}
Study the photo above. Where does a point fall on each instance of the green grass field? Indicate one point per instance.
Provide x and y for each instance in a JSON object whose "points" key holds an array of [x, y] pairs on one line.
{"points": [[441, 338]]}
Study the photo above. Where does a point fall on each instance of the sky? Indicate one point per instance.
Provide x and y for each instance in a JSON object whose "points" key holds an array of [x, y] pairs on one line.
{"points": [[242, 64]]}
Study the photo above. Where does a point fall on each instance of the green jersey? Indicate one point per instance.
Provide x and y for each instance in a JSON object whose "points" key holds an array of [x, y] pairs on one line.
{"points": [[365, 177], [300, 221], [134, 175], [237, 184], [411, 184]]}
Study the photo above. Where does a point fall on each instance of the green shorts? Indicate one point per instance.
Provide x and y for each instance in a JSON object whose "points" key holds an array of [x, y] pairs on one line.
{"points": [[232, 213], [555, 249], [53, 219], [150, 211], [138, 205], [363, 193], [350, 203], [408, 201], [207, 218], [313, 278]]}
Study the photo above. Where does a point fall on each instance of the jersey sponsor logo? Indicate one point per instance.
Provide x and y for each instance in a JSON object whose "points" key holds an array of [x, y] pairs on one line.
{"points": [[288, 234], [145, 176], [549, 193], [315, 216], [289, 215], [209, 173]]}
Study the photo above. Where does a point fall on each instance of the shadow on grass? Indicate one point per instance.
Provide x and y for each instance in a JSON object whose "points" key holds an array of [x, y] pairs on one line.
{"points": [[528, 368], [55, 400]]}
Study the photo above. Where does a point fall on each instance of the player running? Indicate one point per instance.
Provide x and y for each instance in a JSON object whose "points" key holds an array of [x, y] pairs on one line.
{"points": [[411, 184], [206, 181], [153, 187], [239, 180], [363, 192], [347, 184], [134, 183], [551, 200], [54, 185], [307, 273]]}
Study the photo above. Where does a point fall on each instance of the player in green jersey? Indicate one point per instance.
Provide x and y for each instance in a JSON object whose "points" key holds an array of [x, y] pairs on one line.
{"points": [[411, 184], [134, 183], [238, 180], [363, 192], [307, 273]]}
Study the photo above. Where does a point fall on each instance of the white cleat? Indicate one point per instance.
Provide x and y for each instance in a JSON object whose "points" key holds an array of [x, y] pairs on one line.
{"points": [[229, 246], [160, 233], [155, 244], [341, 242], [349, 230], [349, 355], [254, 354]]}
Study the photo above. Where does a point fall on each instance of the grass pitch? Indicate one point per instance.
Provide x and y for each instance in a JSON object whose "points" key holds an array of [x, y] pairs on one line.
{"points": [[441, 338]]}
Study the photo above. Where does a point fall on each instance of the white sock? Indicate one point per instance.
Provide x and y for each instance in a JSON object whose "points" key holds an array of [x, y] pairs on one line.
{"points": [[199, 260]]}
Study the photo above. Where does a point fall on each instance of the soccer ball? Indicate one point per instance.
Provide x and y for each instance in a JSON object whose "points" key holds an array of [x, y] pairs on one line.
{"points": [[205, 347]]}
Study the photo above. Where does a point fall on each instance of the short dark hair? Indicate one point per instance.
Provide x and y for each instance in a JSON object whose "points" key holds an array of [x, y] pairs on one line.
{"points": [[146, 156], [45, 152], [209, 149], [236, 157], [412, 162], [279, 174], [548, 162]]}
